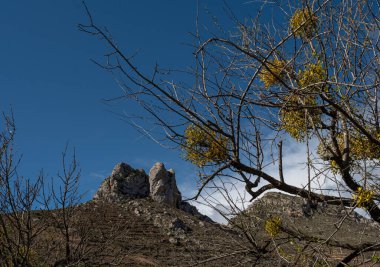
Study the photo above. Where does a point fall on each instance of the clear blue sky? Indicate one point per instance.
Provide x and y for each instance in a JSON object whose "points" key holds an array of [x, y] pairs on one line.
{"points": [[56, 92]]}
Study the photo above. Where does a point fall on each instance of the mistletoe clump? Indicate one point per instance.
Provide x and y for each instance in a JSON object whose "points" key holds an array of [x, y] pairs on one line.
{"points": [[204, 146], [362, 148], [304, 23], [296, 114], [273, 73], [362, 196], [273, 226], [312, 77]]}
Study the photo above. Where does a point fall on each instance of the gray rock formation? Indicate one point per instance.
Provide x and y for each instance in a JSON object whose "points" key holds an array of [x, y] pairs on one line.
{"points": [[124, 182], [163, 187]]}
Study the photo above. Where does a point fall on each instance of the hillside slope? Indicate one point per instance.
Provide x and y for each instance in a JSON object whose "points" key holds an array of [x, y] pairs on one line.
{"points": [[138, 219], [323, 234], [141, 232]]}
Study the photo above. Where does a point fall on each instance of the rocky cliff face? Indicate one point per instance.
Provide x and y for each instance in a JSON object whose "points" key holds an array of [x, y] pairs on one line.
{"points": [[124, 182], [163, 186], [160, 185]]}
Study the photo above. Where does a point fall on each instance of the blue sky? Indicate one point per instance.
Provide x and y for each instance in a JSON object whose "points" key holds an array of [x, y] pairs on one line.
{"points": [[56, 92]]}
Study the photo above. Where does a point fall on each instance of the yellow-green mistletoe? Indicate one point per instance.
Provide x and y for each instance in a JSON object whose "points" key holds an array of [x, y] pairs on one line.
{"points": [[203, 146], [362, 196], [273, 226], [273, 73], [304, 23]]}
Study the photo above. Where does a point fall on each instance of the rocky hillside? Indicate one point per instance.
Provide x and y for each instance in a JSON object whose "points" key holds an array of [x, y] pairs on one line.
{"points": [[308, 233], [140, 219]]}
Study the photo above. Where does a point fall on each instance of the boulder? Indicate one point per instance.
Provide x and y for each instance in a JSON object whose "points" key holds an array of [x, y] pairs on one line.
{"points": [[177, 225], [124, 182], [163, 187]]}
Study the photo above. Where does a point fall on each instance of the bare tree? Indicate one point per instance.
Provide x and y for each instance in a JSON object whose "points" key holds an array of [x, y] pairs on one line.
{"points": [[61, 201], [45, 224], [28, 209], [18, 198], [76, 230], [312, 79]]}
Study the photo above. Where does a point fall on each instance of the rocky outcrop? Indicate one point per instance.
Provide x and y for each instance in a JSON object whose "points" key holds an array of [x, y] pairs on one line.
{"points": [[124, 182], [188, 208], [177, 231], [128, 183], [163, 186]]}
